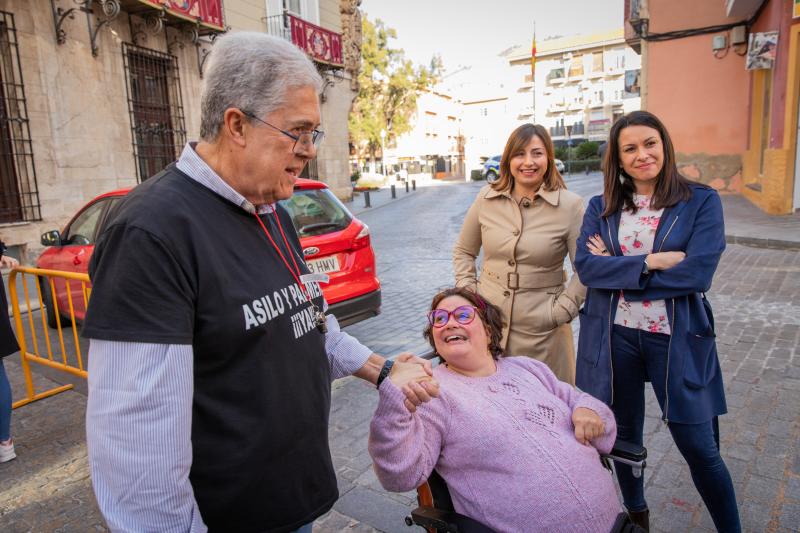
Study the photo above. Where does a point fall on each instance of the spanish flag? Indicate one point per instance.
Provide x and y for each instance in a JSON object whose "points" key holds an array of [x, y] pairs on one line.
{"points": [[533, 59]]}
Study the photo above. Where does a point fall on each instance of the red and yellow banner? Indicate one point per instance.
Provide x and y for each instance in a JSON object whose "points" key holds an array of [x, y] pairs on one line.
{"points": [[207, 12], [322, 45]]}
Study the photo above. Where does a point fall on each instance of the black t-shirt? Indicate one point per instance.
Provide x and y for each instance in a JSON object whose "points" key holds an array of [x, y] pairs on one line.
{"points": [[179, 264]]}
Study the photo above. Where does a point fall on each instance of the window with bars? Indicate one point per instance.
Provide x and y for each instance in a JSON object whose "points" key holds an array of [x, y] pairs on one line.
{"points": [[158, 129], [19, 196]]}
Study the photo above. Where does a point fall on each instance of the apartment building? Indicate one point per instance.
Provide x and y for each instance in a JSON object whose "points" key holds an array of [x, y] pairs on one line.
{"points": [[435, 144], [102, 94], [582, 84]]}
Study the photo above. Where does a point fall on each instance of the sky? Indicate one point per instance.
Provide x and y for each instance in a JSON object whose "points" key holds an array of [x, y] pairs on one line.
{"points": [[468, 32]]}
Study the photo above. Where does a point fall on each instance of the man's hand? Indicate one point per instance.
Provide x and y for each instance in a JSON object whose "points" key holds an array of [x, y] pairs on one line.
{"points": [[412, 375], [588, 425], [8, 262]]}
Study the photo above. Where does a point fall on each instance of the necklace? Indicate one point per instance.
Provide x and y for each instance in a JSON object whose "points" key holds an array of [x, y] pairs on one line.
{"points": [[319, 315]]}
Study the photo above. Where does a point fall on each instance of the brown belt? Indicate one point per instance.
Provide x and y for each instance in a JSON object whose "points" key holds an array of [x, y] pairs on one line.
{"points": [[538, 280]]}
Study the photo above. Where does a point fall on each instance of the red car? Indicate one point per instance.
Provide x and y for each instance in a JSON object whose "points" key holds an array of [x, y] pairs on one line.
{"points": [[333, 240]]}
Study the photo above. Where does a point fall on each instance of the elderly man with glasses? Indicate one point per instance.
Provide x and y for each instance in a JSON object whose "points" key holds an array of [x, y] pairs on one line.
{"points": [[207, 409]]}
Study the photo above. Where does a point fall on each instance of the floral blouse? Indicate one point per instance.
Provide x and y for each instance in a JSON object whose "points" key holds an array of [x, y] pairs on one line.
{"points": [[636, 234]]}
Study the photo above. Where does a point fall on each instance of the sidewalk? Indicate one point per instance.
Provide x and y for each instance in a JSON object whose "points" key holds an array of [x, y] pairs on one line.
{"points": [[383, 196], [746, 224]]}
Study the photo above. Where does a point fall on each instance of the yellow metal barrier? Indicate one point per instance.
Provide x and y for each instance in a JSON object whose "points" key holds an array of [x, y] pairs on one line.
{"points": [[60, 286]]}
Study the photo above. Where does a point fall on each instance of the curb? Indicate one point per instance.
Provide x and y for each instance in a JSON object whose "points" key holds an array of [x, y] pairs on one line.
{"points": [[758, 242]]}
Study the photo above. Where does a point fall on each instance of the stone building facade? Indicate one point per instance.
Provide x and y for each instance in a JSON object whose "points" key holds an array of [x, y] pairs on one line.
{"points": [[101, 94]]}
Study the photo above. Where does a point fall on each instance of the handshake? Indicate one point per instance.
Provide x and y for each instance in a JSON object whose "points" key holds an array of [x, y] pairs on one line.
{"points": [[414, 376]]}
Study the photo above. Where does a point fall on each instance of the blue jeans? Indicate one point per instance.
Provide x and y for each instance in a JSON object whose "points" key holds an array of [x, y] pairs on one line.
{"points": [[5, 404], [640, 356]]}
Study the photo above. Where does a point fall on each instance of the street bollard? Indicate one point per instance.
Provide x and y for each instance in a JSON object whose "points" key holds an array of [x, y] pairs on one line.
{"points": [[366, 199], [394, 194], [413, 185], [406, 185]]}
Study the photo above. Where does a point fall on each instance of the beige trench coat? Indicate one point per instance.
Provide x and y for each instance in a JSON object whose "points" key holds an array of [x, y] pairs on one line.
{"points": [[523, 270]]}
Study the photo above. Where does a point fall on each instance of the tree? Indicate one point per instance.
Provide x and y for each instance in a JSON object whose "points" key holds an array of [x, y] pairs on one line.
{"points": [[587, 150], [389, 84]]}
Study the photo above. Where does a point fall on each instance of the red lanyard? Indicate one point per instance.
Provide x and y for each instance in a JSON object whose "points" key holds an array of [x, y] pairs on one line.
{"points": [[296, 275]]}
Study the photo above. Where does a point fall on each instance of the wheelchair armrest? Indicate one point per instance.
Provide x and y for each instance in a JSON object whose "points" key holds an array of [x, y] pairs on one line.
{"points": [[627, 450], [628, 454], [451, 521]]}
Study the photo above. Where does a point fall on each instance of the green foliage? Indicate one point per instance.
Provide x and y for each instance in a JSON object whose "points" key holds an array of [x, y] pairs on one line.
{"points": [[389, 85], [580, 165], [355, 175], [476, 175], [586, 150], [560, 153]]}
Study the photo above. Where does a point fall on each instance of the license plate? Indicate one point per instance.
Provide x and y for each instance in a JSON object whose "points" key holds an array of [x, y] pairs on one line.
{"points": [[324, 265]]}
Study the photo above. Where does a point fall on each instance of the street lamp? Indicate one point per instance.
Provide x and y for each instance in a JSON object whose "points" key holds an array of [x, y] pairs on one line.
{"points": [[383, 152]]}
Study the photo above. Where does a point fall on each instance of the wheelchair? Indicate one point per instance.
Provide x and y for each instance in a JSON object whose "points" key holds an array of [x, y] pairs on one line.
{"points": [[436, 514]]}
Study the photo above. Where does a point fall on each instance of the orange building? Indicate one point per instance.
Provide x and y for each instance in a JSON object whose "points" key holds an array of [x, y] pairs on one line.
{"points": [[724, 76]]}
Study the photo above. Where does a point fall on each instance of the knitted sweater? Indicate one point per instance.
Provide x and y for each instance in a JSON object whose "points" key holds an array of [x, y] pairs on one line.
{"points": [[506, 447]]}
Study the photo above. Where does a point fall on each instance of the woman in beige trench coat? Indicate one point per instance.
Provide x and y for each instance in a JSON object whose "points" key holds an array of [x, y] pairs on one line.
{"points": [[526, 222]]}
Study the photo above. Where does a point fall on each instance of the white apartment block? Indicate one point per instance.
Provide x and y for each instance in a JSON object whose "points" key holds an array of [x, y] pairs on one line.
{"points": [[434, 144], [583, 83]]}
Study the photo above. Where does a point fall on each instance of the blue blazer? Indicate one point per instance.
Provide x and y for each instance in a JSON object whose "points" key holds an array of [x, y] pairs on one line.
{"points": [[695, 391]]}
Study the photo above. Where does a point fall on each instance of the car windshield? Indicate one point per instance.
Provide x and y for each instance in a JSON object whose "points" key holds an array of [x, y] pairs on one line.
{"points": [[316, 211]]}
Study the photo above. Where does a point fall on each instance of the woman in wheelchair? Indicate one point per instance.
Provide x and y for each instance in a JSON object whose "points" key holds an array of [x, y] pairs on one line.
{"points": [[518, 449]]}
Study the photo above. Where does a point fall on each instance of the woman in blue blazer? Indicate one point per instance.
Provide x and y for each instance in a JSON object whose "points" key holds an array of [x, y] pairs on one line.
{"points": [[647, 252]]}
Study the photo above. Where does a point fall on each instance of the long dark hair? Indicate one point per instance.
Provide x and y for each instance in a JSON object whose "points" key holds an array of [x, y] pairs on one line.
{"points": [[618, 187], [517, 141], [490, 315]]}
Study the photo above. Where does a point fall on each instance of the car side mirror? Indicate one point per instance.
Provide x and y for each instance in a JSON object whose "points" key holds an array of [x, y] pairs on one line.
{"points": [[51, 238]]}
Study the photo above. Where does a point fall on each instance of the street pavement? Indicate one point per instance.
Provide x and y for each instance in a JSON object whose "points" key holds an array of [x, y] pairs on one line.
{"points": [[755, 297]]}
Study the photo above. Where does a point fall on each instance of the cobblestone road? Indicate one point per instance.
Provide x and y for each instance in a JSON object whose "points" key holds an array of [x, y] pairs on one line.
{"points": [[755, 297]]}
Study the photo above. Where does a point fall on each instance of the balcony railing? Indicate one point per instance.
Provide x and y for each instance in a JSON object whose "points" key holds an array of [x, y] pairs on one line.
{"points": [[324, 46]]}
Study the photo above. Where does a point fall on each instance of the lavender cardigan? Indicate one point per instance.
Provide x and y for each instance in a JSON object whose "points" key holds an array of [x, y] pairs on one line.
{"points": [[505, 444]]}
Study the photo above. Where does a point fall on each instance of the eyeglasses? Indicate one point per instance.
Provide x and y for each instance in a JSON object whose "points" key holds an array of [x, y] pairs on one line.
{"points": [[464, 315], [305, 140]]}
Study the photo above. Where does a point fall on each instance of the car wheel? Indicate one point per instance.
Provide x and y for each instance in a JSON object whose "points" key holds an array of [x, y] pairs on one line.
{"points": [[47, 302], [491, 176]]}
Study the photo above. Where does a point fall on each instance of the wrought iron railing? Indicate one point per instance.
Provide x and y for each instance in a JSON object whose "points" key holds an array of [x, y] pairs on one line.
{"points": [[158, 130], [19, 194], [322, 45], [278, 25]]}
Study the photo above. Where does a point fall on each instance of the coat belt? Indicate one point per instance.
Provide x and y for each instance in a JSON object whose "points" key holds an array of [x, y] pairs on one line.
{"points": [[515, 280]]}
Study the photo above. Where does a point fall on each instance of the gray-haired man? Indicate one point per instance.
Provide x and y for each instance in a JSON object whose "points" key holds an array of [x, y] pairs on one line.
{"points": [[198, 417]]}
